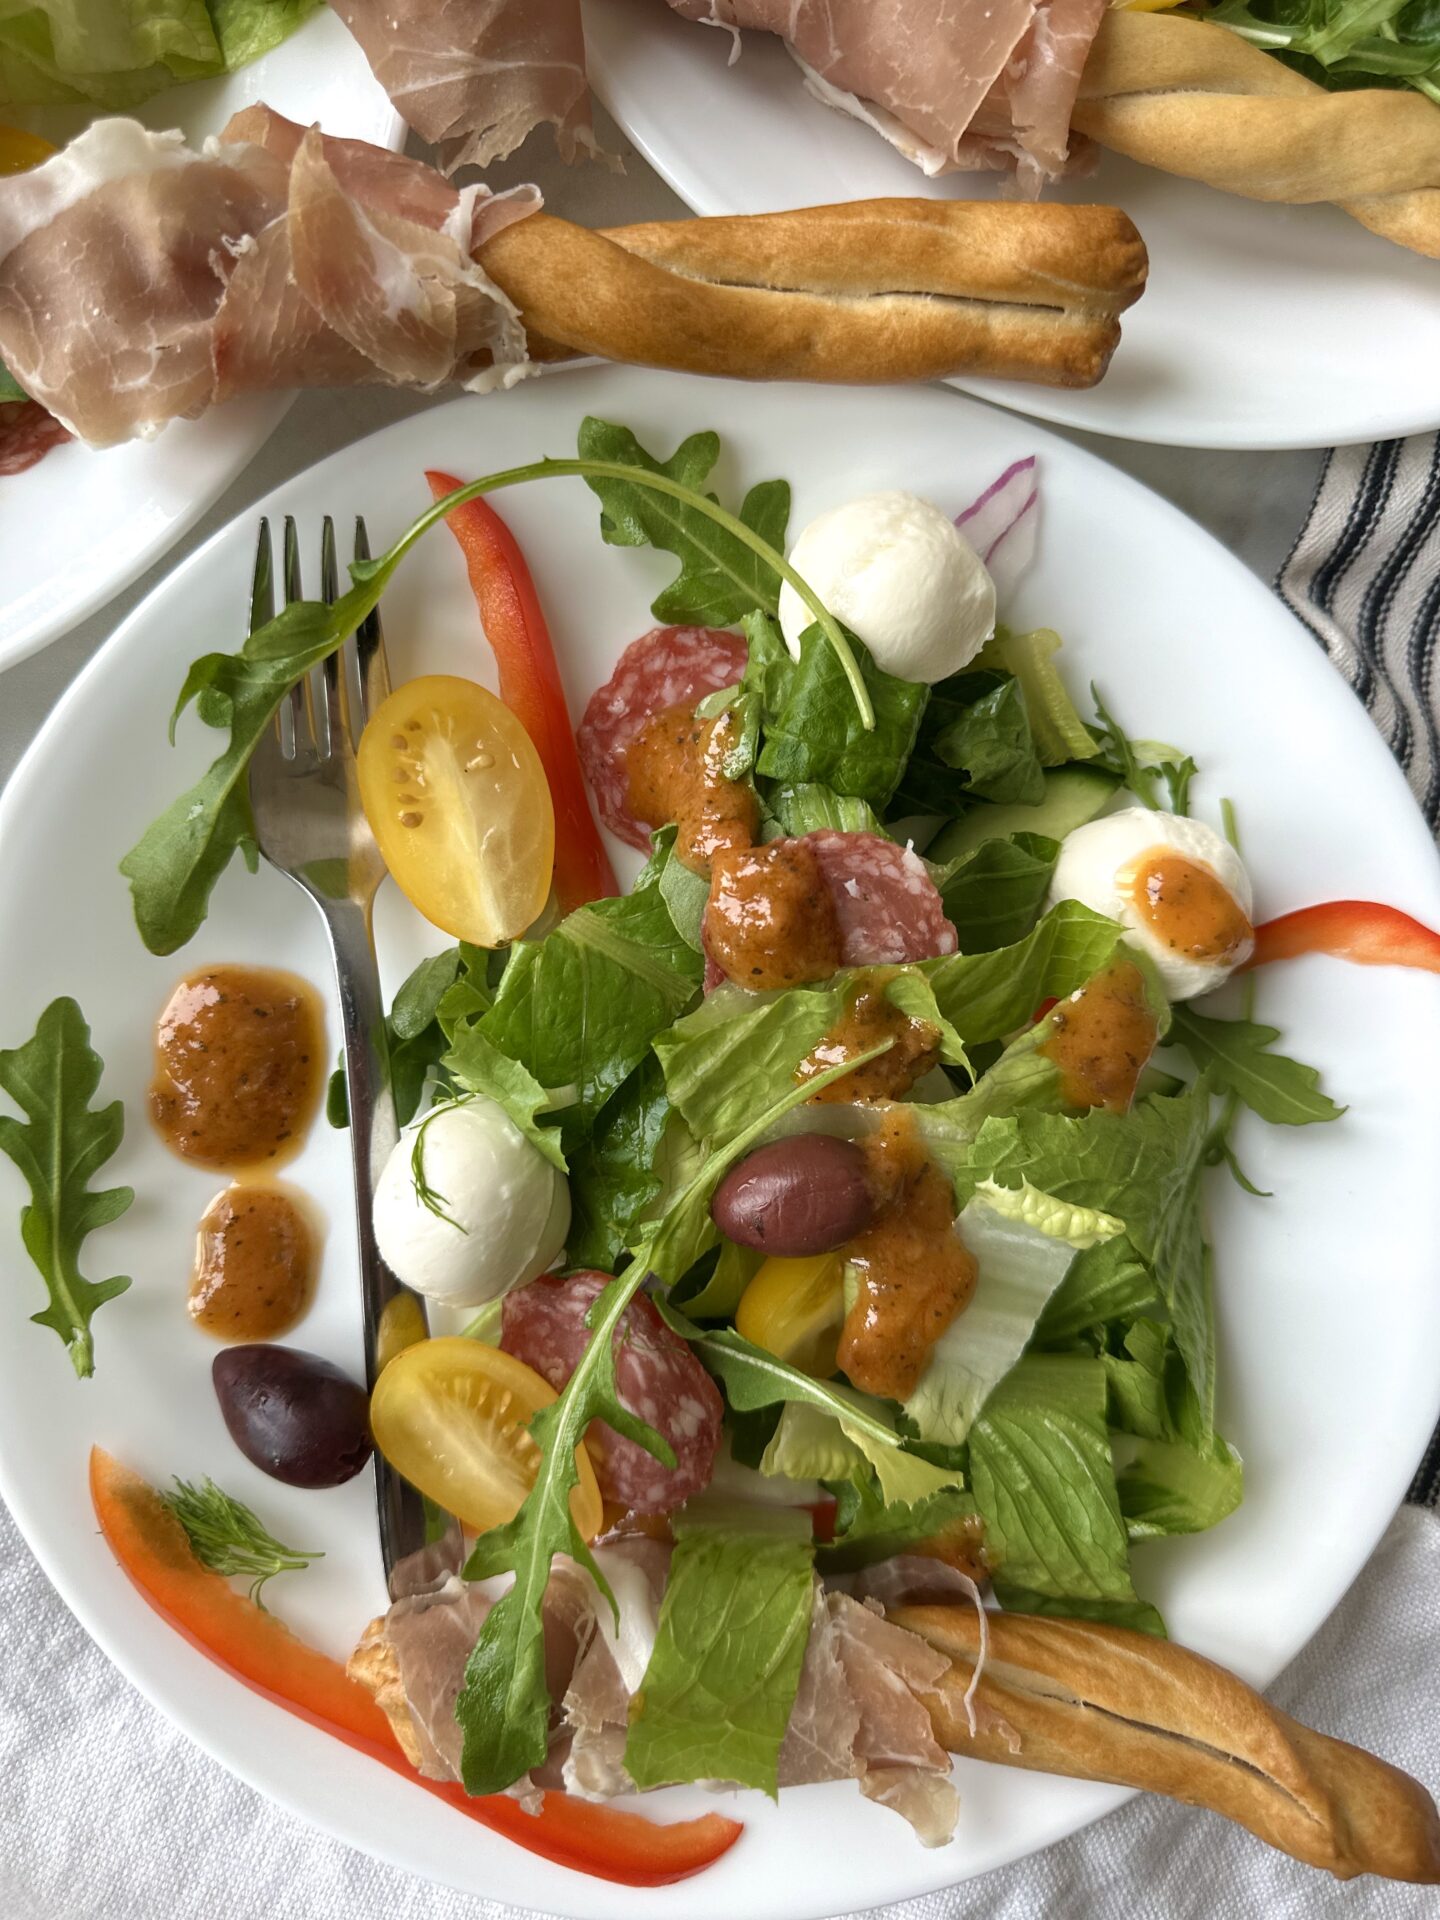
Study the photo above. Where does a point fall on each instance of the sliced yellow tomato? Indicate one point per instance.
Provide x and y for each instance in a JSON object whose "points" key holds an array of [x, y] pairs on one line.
{"points": [[795, 1310], [460, 808], [19, 151], [402, 1324], [451, 1415]]}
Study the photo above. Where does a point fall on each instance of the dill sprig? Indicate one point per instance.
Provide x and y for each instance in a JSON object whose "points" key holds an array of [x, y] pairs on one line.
{"points": [[427, 1195], [226, 1537]]}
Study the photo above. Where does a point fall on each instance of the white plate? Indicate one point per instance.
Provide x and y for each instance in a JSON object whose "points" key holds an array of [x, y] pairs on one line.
{"points": [[81, 526], [1329, 1314], [1261, 326]]}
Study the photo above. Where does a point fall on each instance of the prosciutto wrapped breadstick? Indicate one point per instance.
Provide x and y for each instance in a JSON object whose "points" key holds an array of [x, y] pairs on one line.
{"points": [[1197, 100], [877, 290], [1102, 1703], [278, 258]]}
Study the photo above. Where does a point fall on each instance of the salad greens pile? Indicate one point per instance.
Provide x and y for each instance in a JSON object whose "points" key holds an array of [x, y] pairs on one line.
{"points": [[59, 52], [1071, 1409], [1344, 43]]}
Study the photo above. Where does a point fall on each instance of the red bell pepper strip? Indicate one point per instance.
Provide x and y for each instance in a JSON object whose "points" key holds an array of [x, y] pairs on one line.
{"points": [[151, 1547], [1363, 931], [530, 686]]}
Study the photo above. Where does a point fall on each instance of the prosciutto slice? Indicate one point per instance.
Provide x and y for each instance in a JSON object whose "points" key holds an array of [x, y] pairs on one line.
{"points": [[142, 282], [473, 77], [953, 84]]}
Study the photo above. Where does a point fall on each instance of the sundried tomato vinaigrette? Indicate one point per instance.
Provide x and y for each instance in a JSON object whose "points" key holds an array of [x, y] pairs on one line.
{"points": [[249, 1643], [1186, 906]]}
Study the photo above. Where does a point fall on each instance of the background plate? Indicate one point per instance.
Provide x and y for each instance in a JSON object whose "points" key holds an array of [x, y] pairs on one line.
{"points": [[1262, 326], [1329, 1313], [81, 526]]}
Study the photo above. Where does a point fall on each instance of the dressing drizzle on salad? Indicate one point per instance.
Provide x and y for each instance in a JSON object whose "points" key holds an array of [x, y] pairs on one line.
{"points": [[675, 771], [1101, 1037], [1187, 906], [771, 921], [868, 1019]]}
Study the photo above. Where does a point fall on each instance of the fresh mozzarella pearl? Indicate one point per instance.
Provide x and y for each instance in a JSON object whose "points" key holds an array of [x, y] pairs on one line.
{"points": [[1094, 866], [509, 1207], [900, 574]]}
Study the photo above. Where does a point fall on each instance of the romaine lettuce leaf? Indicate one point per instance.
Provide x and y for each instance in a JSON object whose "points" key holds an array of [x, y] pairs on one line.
{"points": [[1172, 1477], [810, 1444], [986, 996], [1108, 1282], [1023, 1241], [816, 733], [477, 1066], [733, 1628], [1057, 729], [1144, 1167], [868, 1528], [55, 52], [1044, 1484]]}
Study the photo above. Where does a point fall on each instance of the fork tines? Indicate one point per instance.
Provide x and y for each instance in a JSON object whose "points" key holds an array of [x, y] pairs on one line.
{"points": [[325, 713]]}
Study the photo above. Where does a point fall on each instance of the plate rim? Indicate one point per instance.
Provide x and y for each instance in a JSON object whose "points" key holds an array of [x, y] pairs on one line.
{"points": [[89, 1610]]}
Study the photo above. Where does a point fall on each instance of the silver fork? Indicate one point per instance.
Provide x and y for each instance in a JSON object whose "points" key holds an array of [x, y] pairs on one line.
{"points": [[310, 825]]}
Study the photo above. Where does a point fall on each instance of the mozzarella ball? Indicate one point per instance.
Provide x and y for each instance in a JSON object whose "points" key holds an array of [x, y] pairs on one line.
{"points": [[900, 574], [1098, 867], [508, 1208]]}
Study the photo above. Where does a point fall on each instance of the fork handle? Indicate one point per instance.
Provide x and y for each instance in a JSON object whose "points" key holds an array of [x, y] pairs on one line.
{"points": [[373, 1133]]}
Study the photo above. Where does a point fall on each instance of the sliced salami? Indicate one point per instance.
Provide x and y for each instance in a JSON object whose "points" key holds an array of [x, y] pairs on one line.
{"points": [[27, 433], [659, 1380], [667, 667], [887, 905]]}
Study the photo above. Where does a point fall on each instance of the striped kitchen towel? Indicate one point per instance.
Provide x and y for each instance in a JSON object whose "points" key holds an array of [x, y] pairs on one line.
{"points": [[1364, 576]]}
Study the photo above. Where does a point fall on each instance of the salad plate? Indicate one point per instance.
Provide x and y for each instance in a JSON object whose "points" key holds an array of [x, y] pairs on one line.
{"points": [[1261, 326], [1326, 1304], [81, 525]]}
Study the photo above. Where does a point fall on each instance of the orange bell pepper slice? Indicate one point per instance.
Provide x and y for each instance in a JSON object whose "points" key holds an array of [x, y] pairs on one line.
{"points": [[1361, 931], [151, 1547], [530, 686]]}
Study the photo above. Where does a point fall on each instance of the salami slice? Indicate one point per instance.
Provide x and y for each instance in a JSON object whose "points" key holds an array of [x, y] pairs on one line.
{"points": [[887, 905], [667, 667], [27, 433], [658, 1378]]}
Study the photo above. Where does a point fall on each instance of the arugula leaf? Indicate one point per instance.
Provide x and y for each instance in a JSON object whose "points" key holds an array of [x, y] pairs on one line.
{"points": [[995, 894], [1143, 766], [1342, 44], [1023, 1242], [477, 1066], [174, 866], [226, 1537], [730, 1643], [504, 1704], [1236, 1056], [444, 992], [1045, 1488], [817, 736], [986, 996], [1056, 728], [870, 1529], [613, 1177], [720, 579], [52, 1078], [581, 1007]]}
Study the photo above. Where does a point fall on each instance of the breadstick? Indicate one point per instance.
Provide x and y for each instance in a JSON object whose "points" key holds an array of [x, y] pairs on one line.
{"points": [[880, 290], [1102, 1703], [1196, 99]]}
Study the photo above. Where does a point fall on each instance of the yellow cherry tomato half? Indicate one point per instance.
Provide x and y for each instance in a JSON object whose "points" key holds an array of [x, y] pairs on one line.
{"points": [[795, 1310], [19, 151], [451, 1415], [459, 806]]}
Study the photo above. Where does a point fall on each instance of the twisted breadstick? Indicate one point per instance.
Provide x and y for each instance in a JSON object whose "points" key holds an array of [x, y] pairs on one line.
{"points": [[1102, 1703], [1198, 100], [878, 290]]}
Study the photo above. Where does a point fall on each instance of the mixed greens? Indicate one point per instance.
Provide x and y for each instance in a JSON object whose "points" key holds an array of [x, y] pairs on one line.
{"points": [[1344, 43]]}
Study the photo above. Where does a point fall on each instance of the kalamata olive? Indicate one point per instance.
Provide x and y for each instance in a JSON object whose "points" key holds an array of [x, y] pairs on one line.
{"points": [[804, 1195], [293, 1415]]}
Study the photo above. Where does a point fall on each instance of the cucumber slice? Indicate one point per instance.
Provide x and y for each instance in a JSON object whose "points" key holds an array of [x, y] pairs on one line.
{"points": [[1073, 795]]}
